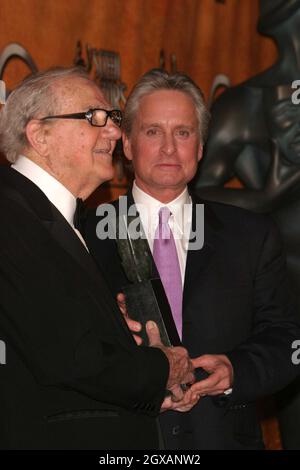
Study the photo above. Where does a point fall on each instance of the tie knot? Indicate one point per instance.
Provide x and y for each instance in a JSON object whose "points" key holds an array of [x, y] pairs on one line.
{"points": [[164, 231], [164, 215]]}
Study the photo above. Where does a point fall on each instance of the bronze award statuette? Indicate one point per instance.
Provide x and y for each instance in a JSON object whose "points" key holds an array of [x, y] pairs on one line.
{"points": [[145, 295]]}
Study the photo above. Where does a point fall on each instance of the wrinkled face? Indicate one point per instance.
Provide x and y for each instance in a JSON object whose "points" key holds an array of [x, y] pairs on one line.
{"points": [[80, 155], [164, 144]]}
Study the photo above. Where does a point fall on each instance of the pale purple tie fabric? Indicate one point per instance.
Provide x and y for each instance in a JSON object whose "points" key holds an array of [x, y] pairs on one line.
{"points": [[166, 260]]}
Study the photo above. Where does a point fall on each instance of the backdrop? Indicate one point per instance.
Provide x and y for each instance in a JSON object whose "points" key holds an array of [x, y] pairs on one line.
{"points": [[207, 36]]}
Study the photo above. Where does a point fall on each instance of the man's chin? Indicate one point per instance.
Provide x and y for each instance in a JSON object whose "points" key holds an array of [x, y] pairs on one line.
{"points": [[168, 181]]}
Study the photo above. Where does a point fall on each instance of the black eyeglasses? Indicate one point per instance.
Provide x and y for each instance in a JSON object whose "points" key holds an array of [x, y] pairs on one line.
{"points": [[96, 117]]}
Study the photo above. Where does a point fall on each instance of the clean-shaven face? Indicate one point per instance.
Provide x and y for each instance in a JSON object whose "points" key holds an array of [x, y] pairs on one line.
{"points": [[80, 155], [164, 144]]}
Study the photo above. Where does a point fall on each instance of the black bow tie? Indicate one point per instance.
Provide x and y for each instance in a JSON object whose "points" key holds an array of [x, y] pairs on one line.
{"points": [[80, 215]]}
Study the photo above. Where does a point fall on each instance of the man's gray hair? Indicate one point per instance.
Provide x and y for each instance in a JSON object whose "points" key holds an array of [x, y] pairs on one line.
{"points": [[157, 79], [34, 97]]}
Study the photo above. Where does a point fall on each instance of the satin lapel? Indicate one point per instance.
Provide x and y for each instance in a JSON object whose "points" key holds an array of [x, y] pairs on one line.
{"points": [[198, 261], [24, 192], [67, 238], [31, 198]]}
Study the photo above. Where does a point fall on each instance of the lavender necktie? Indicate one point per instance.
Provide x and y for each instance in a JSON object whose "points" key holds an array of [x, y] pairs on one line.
{"points": [[166, 260]]}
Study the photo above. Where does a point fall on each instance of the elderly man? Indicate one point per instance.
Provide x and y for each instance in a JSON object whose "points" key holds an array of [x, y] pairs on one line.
{"points": [[236, 316], [74, 377]]}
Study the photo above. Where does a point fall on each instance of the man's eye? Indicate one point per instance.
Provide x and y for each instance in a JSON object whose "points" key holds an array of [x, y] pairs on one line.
{"points": [[183, 132], [151, 132]]}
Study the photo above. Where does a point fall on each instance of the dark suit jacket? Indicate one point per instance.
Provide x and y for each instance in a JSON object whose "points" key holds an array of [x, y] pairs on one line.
{"points": [[236, 302], [74, 378]]}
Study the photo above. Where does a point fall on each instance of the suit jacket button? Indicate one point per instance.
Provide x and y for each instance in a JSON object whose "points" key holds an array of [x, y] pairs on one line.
{"points": [[176, 430]]}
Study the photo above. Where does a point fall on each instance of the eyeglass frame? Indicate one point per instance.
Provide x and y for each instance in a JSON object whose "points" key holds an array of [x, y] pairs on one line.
{"points": [[88, 115]]}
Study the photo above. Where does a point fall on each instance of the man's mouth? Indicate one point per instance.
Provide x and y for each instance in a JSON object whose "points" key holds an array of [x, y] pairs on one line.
{"points": [[168, 165], [103, 152]]}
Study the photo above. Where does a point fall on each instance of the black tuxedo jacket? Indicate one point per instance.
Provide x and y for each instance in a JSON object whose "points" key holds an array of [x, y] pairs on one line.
{"points": [[235, 301], [73, 378]]}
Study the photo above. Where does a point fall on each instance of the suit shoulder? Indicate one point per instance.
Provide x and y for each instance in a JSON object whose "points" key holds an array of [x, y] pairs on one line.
{"points": [[239, 217]]}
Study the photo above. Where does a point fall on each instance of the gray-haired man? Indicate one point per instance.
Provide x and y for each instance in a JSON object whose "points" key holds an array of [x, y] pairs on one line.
{"points": [[74, 378], [237, 321]]}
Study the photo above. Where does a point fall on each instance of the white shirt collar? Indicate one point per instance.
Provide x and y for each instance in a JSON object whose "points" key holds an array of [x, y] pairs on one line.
{"points": [[58, 194], [140, 197], [148, 208]]}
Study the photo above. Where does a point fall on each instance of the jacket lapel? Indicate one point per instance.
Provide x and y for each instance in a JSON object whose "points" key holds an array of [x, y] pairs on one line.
{"points": [[20, 189], [198, 261], [24, 192], [70, 242]]}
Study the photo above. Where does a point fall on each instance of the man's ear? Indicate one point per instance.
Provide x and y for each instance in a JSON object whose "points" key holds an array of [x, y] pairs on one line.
{"points": [[126, 146], [200, 152], [36, 136]]}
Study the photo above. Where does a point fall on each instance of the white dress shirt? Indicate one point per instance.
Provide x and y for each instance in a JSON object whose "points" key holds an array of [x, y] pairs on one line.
{"points": [[180, 220], [59, 195]]}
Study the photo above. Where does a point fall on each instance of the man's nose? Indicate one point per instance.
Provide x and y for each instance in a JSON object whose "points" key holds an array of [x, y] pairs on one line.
{"points": [[168, 144], [111, 130]]}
